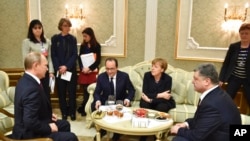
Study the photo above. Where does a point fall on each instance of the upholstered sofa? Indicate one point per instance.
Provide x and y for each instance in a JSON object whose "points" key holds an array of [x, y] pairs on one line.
{"points": [[6, 103], [182, 90]]}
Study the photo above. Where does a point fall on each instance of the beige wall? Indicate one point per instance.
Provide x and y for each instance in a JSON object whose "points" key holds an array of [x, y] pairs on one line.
{"points": [[13, 28]]}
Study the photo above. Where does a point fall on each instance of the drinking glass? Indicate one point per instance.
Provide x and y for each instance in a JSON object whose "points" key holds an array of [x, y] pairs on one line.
{"points": [[119, 105], [111, 100]]}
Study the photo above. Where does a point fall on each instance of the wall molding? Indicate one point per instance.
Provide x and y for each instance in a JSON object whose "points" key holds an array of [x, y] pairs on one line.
{"points": [[186, 46], [151, 29], [116, 44]]}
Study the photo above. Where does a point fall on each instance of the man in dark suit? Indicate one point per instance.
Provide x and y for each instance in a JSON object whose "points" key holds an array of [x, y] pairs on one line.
{"points": [[123, 87], [215, 113], [33, 113]]}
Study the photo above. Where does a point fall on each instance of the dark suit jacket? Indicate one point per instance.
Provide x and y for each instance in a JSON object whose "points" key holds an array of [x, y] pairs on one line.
{"points": [[212, 118], [64, 51], [230, 62], [86, 50], [124, 88], [151, 89], [33, 111]]}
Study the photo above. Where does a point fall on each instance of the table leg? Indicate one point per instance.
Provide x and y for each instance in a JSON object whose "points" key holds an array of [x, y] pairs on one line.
{"points": [[98, 135], [108, 135], [159, 136]]}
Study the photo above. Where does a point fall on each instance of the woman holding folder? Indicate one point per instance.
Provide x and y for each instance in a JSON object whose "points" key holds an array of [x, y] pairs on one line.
{"points": [[89, 61]]}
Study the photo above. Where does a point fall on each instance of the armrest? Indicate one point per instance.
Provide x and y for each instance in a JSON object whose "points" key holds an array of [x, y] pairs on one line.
{"points": [[91, 89], [4, 138], [11, 93]]}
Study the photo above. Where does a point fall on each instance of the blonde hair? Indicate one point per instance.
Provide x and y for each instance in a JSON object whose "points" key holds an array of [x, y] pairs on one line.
{"points": [[163, 63], [63, 20]]}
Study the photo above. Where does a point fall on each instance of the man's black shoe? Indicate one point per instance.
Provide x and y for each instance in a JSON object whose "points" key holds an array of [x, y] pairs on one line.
{"points": [[80, 109], [83, 114], [64, 117], [102, 132], [73, 117], [115, 137]]}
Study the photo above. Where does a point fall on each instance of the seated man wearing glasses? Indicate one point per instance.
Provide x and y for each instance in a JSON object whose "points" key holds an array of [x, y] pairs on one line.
{"points": [[112, 82]]}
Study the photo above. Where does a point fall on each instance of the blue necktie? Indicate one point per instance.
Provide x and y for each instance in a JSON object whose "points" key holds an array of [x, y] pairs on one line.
{"points": [[112, 87]]}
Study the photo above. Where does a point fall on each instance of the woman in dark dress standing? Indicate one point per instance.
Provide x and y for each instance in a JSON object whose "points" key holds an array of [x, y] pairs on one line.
{"points": [[89, 45]]}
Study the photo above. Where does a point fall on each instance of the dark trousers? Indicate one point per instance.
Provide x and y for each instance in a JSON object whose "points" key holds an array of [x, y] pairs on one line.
{"points": [[63, 88], [179, 138], [85, 97], [163, 107], [234, 84], [63, 133]]}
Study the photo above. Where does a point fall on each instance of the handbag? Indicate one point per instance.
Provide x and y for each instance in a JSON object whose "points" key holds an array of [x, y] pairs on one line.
{"points": [[87, 78]]}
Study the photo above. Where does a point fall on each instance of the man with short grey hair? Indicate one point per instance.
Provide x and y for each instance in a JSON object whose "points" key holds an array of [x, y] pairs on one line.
{"points": [[33, 112]]}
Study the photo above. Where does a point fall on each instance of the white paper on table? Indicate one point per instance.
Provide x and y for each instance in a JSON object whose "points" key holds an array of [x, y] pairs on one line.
{"points": [[52, 84], [87, 59], [112, 107], [66, 76], [155, 122]]}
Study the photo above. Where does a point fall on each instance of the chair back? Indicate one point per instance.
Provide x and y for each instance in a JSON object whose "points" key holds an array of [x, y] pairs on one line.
{"points": [[4, 80]]}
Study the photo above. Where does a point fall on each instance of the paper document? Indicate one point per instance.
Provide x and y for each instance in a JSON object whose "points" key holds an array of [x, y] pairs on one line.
{"points": [[87, 59], [52, 84], [66, 76]]}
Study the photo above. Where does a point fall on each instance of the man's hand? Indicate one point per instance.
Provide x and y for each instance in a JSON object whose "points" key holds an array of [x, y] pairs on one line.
{"points": [[54, 117], [97, 104], [126, 102], [53, 127], [176, 127]]}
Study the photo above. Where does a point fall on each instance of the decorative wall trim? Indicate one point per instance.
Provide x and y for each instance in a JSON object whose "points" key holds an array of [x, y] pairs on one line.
{"points": [[116, 44], [186, 46], [150, 31]]}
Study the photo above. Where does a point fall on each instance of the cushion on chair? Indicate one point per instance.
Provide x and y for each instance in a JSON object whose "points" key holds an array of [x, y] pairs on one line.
{"points": [[11, 93], [182, 112], [178, 92], [6, 123], [135, 79], [4, 80], [4, 99], [245, 119], [142, 67], [192, 96]]}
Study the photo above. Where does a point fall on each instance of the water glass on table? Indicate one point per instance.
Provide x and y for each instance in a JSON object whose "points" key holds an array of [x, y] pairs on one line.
{"points": [[119, 105], [111, 100]]}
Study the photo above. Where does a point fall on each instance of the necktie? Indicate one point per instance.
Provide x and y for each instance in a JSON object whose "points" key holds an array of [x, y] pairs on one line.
{"points": [[112, 88], [199, 102], [41, 86]]}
